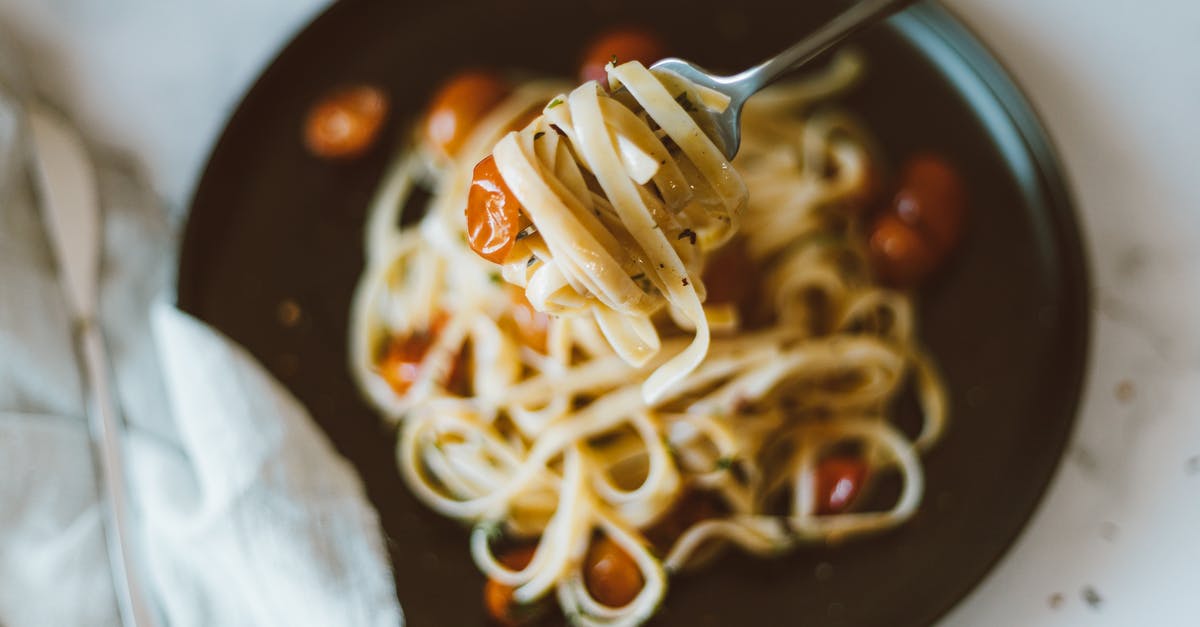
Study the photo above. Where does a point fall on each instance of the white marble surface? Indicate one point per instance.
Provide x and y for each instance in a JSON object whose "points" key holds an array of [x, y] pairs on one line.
{"points": [[1118, 84]]}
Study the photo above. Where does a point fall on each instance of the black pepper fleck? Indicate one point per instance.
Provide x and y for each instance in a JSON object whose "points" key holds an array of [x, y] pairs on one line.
{"points": [[1092, 598], [689, 234], [685, 281]]}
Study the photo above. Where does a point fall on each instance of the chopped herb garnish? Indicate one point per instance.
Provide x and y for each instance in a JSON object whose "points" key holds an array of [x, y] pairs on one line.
{"points": [[538, 135], [613, 59], [661, 265], [1092, 598], [685, 281], [689, 234], [494, 277], [685, 102], [526, 232], [554, 103], [532, 260], [724, 463]]}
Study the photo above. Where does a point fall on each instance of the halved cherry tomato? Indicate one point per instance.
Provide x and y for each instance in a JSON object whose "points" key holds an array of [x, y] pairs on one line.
{"points": [[923, 223], [402, 359], [626, 44], [839, 480], [612, 577], [493, 213], [459, 105], [899, 254], [345, 123], [497, 597], [931, 200], [531, 324]]}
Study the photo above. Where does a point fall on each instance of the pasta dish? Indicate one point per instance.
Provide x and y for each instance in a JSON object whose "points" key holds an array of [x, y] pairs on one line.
{"points": [[614, 354]]}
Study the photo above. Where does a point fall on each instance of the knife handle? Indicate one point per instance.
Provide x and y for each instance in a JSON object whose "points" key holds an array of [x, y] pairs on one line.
{"points": [[105, 431]]}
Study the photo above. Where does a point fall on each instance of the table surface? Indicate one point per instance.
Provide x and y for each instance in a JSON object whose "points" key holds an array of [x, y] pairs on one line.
{"points": [[1118, 84]]}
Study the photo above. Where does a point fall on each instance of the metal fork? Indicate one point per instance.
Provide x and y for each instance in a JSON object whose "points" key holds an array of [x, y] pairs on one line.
{"points": [[739, 87]]}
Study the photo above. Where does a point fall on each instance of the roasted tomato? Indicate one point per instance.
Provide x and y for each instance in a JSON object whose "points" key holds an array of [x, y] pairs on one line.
{"points": [[493, 213], [458, 106], [624, 44], [497, 597], [923, 224], [346, 122], [839, 480], [612, 577]]}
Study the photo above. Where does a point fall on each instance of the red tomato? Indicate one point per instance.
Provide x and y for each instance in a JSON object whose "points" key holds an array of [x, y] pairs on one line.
{"points": [[839, 480], [626, 44], [493, 213], [931, 200], [899, 254], [497, 597], [612, 577], [403, 358], [346, 122], [459, 105]]}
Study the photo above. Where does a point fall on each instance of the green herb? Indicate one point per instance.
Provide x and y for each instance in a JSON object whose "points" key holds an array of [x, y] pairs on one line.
{"points": [[613, 59], [689, 234], [526, 232], [685, 281], [538, 135], [724, 463], [495, 277], [532, 260], [554, 103], [685, 102]]}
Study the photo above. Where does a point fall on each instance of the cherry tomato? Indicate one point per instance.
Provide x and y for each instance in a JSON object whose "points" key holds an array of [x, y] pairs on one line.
{"points": [[626, 44], [531, 324], [899, 254], [458, 106], [497, 597], [493, 213], [403, 357], [346, 122], [839, 480], [612, 577], [931, 200]]}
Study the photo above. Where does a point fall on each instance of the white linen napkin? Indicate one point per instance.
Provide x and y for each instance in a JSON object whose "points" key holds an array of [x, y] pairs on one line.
{"points": [[243, 512]]}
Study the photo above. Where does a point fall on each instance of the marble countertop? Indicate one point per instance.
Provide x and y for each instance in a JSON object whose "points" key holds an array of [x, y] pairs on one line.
{"points": [[1114, 543]]}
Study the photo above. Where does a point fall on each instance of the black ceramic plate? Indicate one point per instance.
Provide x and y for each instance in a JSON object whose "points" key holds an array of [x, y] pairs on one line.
{"points": [[1008, 322]]}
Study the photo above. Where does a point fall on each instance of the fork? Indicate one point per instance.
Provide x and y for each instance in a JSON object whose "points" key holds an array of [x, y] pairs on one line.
{"points": [[739, 87]]}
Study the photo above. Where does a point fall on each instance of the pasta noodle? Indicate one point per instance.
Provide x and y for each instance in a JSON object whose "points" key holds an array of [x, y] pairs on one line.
{"points": [[601, 419]]}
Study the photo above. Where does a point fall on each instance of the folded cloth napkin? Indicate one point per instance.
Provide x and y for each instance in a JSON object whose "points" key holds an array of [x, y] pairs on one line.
{"points": [[243, 513]]}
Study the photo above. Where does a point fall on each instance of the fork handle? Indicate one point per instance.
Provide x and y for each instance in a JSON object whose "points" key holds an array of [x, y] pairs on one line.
{"points": [[105, 436], [852, 19]]}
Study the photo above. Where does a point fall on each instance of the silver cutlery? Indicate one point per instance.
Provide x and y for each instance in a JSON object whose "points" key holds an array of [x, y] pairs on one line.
{"points": [[66, 184]]}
